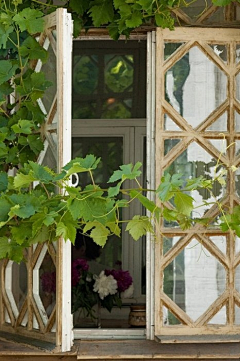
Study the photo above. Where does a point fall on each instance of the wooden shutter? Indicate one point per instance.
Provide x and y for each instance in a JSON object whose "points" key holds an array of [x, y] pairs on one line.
{"points": [[25, 307], [197, 271]]}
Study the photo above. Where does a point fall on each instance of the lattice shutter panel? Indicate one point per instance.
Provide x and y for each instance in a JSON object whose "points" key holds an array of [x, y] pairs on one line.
{"points": [[26, 307], [197, 127]]}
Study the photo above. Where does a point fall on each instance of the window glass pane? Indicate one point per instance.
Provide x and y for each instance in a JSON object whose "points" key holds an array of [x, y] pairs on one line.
{"points": [[109, 80], [195, 86]]}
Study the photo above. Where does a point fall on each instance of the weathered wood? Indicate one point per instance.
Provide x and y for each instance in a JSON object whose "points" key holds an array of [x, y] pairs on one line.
{"points": [[199, 133]]}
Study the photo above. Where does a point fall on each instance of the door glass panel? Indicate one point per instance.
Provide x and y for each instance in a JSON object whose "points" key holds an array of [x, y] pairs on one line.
{"points": [[106, 80], [110, 149]]}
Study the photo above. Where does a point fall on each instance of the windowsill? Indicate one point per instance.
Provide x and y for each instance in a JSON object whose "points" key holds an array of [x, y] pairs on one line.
{"points": [[148, 350]]}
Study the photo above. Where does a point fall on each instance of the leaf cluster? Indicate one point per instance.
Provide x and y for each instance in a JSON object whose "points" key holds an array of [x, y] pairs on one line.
{"points": [[54, 208], [20, 87]]}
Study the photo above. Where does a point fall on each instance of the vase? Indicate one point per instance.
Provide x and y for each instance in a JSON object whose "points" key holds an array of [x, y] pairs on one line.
{"points": [[82, 320]]}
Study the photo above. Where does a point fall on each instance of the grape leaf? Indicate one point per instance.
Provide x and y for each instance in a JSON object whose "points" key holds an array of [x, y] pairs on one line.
{"points": [[3, 181], [25, 205], [4, 34], [146, 4], [7, 70], [30, 20], [21, 233], [5, 247], [33, 50], [5, 206], [139, 226], [23, 180], [79, 6], [127, 171], [90, 162], [221, 2], [135, 20], [41, 173], [99, 232], [164, 20], [67, 228], [23, 126], [101, 12], [100, 235], [183, 203]]}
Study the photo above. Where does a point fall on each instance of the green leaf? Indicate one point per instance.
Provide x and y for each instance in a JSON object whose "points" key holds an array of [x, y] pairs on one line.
{"points": [[150, 205], [3, 150], [146, 4], [35, 143], [3, 181], [170, 215], [114, 228], [135, 20], [79, 6], [23, 126], [101, 12], [31, 49], [139, 226], [41, 173], [164, 189], [25, 205], [114, 191], [127, 171], [23, 180], [30, 20], [89, 208], [4, 34], [118, 3], [99, 232], [21, 233], [7, 70], [184, 222], [5, 247], [183, 203], [5, 206], [164, 20], [42, 236], [67, 228], [221, 2], [77, 165]]}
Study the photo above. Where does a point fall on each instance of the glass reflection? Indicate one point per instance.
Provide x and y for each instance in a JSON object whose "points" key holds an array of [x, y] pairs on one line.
{"points": [[49, 69], [109, 80], [195, 86], [194, 280]]}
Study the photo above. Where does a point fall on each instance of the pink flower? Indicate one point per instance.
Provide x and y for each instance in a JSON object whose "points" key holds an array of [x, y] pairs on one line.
{"points": [[123, 278], [48, 282], [78, 266]]}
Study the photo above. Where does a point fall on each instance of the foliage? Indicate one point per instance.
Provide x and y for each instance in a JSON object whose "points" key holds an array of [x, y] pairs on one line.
{"points": [[55, 209], [33, 215]]}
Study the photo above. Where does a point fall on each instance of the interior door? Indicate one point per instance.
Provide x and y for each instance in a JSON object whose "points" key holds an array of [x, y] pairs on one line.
{"points": [[197, 127], [26, 306]]}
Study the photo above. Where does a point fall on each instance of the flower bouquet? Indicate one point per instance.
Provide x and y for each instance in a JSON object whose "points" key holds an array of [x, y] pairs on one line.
{"points": [[105, 290]]}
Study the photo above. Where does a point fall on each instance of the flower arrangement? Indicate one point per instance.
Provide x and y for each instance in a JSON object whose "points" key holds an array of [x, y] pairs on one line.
{"points": [[106, 289]]}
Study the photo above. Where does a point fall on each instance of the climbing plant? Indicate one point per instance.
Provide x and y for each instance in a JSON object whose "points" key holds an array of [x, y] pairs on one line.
{"points": [[30, 214]]}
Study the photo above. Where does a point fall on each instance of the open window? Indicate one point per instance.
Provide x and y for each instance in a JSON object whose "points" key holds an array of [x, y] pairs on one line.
{"points": [[109, 121]]}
